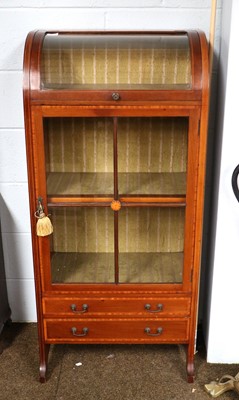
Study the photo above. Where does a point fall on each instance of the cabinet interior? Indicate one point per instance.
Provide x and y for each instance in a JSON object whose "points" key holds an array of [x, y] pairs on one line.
{"points": [[150, 241], [151, 160]]}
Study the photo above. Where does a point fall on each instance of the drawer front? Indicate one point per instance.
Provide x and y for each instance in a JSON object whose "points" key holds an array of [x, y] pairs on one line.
{"points": [[116, 331], [92, 307]]}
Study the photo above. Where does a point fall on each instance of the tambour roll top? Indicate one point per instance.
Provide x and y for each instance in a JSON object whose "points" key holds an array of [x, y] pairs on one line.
{"points": [[87, 66]]}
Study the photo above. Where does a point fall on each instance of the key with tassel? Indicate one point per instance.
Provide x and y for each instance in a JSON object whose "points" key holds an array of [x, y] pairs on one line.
{"points": [[44, 226]]}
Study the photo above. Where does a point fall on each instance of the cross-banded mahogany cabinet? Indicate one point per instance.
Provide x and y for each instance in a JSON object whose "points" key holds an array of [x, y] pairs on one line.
{"points": [[116, 127]]}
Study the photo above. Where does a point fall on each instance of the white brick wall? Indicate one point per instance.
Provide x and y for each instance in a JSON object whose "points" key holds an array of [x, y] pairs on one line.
{"points": [[17, 18]]}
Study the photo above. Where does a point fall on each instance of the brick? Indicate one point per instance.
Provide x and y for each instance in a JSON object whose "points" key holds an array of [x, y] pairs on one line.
{"points": [[14, 208], [18, 263], [11, 100], [21, 296], [12, 36], [12, 156], [81, 4], [158, 19]]}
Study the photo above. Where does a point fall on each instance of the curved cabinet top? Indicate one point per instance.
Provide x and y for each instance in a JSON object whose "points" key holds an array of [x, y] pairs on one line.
{"points": [[99, 67]]}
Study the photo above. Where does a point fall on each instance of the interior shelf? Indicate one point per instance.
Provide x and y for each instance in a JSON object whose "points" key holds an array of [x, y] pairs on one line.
{"points": [[79, 183], [89, 183], [115, 86], [134, 267]]}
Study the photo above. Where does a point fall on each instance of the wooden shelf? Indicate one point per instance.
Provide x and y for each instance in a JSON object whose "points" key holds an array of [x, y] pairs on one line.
{"points": [[115, 86], [133, 267]]}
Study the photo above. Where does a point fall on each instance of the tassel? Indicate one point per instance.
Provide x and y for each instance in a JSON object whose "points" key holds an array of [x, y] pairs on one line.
{"points": [[44, 226]]}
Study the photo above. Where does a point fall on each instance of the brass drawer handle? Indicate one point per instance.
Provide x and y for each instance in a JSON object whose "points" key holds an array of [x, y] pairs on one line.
{"points": [[84, 332], [148, 308], [158, 332], [84, 308], [115, 96]]}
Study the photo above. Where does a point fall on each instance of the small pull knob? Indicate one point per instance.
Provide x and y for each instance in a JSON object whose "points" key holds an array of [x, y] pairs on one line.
{"points": [[115, 96]]}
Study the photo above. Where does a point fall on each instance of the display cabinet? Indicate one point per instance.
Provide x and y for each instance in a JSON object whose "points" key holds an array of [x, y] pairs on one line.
{"points": [[116, 127]]}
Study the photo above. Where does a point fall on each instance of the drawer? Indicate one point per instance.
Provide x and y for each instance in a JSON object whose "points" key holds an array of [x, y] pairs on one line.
{"points": [[116, 331], [144, 306]]}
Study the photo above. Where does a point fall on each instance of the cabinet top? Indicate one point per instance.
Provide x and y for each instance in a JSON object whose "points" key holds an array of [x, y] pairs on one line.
{"points": [[115, 66]]}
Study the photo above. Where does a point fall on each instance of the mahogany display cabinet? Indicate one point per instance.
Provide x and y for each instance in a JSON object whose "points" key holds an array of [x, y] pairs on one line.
{"points": [[116, 126]]}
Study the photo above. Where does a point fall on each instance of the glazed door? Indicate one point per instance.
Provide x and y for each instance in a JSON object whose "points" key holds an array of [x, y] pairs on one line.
{"points": [[153, 157], [120, 192]]}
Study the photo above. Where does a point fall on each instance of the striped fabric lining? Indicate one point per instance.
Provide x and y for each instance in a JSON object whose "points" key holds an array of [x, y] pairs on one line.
{"points": [[151, 242], [144, 144], [91, 229]]}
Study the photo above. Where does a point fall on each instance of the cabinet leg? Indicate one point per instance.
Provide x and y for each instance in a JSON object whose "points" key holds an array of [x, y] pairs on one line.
{"points": [[44, 350], [190, 365]]}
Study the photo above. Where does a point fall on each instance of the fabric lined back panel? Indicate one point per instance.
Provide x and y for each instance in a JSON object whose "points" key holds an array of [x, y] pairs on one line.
{"points": [[91, 229], [144, 144], [150, 245]]}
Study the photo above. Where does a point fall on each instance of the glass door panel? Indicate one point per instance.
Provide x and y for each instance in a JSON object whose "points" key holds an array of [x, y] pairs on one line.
{"points": [[152, 156], [82, 245], [151, 244], [79, 156], [114, 62]]}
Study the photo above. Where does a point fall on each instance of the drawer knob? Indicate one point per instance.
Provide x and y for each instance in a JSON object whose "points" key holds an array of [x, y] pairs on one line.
{"points": [[83, 310], [158, 332], [115, 96], [159, 308], [84, 331]]}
